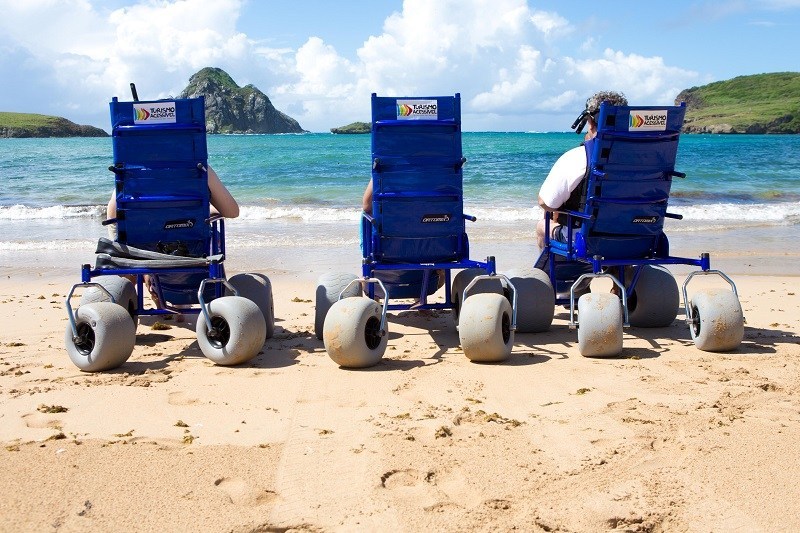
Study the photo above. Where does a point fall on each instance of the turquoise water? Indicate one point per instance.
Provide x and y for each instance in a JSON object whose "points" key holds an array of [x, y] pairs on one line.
{"points": [[330, 170], [305, 190]]}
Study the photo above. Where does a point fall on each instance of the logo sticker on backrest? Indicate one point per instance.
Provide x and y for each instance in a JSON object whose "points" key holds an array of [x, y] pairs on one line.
{"points": [[178, 224], [154, 113], [428, 219], [642, 120], [645, 220], [417, 110]]}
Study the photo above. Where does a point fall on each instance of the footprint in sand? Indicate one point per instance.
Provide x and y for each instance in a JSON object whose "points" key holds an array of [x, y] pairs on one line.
{"points": [[42, 421], [241, 492], [180, 398], [432, 490], [411, 485], [406, 478]]}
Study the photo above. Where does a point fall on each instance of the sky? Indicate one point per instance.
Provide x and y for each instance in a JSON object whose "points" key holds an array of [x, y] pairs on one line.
{"points": [[519, 65]]}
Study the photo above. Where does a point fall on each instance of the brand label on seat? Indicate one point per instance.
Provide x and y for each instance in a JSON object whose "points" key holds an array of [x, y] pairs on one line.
{"points": [[177, 224], [154, 113], [649, 120], [417, 110], [645, 220], [429, 219]]}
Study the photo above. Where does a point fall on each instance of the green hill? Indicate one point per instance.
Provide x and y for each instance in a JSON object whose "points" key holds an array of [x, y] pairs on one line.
{"points": [[33, 125], [354, 127], [762, 103]]}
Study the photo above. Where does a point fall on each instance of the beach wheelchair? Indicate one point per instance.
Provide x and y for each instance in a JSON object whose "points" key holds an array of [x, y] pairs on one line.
{"points": [[618, 234], [168, 242], [412, 241]]}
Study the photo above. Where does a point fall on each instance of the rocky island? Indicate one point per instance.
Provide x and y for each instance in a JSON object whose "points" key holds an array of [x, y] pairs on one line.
{"points": [[234, 109]]}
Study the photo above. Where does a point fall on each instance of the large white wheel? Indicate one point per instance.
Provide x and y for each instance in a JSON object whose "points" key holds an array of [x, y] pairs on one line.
{"points": [[536, 301], [655, 300], [121, 289], [239, 330], [106, 336], [329, 286], [599, 325], [718, 322], [460, 282], [485, 328], [352, 333], [258, 289]]}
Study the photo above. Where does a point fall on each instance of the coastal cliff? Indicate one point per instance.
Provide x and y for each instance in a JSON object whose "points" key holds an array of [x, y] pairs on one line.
{"points": [[35, 125], [762, 103], [234, 109]]}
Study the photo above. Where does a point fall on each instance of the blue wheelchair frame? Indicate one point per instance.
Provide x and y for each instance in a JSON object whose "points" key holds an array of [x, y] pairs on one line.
{"points": [[165, 230], [417, 225], [627, 186]]}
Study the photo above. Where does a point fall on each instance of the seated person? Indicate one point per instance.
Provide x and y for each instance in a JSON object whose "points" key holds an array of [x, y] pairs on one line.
{"points": [[222, 203], [366, 201], [569, 171], [366, 206]]}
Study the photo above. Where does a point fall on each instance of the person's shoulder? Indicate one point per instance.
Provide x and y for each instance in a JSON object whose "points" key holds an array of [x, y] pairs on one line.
{"points": [[573, 156]]}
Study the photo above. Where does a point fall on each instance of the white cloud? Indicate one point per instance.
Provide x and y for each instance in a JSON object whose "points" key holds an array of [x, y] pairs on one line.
{"points": [[502, 55], [93, 53], [513, 87], [642, 79], [550, 24]]}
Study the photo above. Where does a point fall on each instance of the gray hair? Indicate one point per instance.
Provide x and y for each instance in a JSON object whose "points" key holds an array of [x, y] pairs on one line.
{"points": [[612, 97]]}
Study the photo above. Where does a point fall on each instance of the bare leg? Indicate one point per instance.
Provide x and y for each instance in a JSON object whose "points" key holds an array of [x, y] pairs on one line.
{"points": [[540, 234]]}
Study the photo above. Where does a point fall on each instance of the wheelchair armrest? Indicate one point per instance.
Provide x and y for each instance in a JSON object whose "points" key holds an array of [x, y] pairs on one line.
{"points": [[673, 215], [469, 217], [677, 174], [109, 221], [214, 218], [576, 214], [368, 217]]}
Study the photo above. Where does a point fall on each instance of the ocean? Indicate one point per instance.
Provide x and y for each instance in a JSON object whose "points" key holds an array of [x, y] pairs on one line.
{"points": [[301, 195]]}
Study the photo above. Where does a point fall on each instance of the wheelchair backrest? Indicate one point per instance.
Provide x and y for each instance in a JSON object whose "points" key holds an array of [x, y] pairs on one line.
{"points": [[161, 177], [630, 170], [417, 198]]}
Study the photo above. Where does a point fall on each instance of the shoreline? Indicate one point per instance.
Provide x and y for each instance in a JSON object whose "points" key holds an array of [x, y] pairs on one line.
{"points": [[312, 249]]}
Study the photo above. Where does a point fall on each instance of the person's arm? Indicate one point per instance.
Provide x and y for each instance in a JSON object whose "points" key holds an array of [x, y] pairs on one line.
{"points": [[221, 200], [366, 201], [544, 205], [566, 174], [111, 208]]}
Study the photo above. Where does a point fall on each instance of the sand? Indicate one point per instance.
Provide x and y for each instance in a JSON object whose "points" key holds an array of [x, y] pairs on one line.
{"points": [[663, 438]]}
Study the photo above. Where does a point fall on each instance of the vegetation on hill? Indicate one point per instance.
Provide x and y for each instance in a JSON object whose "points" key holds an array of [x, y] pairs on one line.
{"points": [[354, 127], [34, 125], [761, 103], [234, 109]]}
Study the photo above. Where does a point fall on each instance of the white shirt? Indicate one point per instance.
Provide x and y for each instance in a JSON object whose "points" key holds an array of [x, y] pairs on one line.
{"points": [[565, 175]]}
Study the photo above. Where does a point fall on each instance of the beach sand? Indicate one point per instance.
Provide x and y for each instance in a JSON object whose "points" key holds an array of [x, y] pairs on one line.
{"points": [[663, 438]]}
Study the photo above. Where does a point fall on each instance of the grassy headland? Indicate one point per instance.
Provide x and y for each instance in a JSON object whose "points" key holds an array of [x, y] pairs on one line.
{"points": [[35, 125], [354, 127], [761, 103]]}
